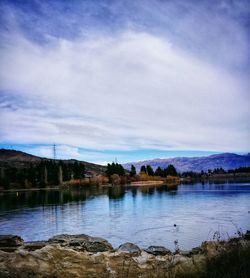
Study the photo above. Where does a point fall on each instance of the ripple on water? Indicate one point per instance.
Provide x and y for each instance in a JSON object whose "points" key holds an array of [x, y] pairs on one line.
{"points": [[134, 215]]}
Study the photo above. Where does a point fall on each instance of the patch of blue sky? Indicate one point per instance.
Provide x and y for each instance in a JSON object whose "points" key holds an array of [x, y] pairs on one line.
{"points": [[103, 156]]}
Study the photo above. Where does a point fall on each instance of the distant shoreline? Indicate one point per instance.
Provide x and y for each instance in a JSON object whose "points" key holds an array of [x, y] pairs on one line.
{"points": [[146, 183]]}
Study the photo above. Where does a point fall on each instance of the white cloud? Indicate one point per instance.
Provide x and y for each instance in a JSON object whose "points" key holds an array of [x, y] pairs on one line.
{"points": [[126, 91], [62, 151]]}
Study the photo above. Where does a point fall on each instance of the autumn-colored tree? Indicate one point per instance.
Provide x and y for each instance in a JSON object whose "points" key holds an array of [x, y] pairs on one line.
{"points": [[115, 179]]}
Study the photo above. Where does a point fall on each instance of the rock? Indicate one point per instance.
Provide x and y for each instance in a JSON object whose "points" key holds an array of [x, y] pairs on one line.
{"points": [[8, 249], [64, 238], [82, 242], [195, 250], [96, 244], [10, 241], [75, 242], [34, 245], [158, 250], [185, 253], [60, 260], [129, 248]]}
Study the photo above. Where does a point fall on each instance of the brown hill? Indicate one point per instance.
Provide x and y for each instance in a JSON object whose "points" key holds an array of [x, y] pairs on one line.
{"points": [[19, 159]]}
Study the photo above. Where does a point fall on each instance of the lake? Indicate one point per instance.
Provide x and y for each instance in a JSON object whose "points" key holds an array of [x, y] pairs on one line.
{"points": [[157, 215]]}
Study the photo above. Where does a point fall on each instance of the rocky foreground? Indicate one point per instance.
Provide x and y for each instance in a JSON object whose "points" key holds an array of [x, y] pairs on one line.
{"points": [[84, 256]]}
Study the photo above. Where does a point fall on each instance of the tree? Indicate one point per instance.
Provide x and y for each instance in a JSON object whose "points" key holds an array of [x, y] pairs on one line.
{"points": [[150, 170], [132, 171], [143, 169], [115, 168], [115, 179], [171, 171], [78, 170], [159, 172]]}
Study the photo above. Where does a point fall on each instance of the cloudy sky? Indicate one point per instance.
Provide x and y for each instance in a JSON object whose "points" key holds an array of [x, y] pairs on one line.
{"points": [[124, 79]]}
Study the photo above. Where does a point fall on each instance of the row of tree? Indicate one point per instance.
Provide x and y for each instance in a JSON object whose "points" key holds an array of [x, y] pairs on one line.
{"points": [[215, 171], [115, 168], [168, 171], [118, 169], [42, 174]]}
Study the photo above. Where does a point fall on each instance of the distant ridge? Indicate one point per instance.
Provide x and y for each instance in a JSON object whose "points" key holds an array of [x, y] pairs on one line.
{"points": [[196, 164], [13, 155], [19, 159]]}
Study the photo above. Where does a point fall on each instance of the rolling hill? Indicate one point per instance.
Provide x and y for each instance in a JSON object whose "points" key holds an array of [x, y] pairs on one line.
{"points": [[18, 159]]}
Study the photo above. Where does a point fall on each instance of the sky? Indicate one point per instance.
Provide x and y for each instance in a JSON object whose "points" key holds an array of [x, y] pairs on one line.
{"points": [[125, 80]]}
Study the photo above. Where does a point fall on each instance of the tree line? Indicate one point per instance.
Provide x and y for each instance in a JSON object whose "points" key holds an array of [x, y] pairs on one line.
{"points": [[118, 169], [47, 172], [215, 171], [168, 171]]}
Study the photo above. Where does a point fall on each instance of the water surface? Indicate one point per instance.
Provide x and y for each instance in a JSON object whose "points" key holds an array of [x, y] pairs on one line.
{"points": [[188, 214]]}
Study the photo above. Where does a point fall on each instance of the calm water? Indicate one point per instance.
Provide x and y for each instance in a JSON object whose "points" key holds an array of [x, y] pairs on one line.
{"points": [[145, 216]]}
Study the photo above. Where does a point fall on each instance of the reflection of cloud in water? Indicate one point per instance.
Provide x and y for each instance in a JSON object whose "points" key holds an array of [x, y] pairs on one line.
{"points": [[127, 214]]}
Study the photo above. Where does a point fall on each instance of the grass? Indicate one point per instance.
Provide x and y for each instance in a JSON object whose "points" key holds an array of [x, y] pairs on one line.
{"points": [[233, 263]]}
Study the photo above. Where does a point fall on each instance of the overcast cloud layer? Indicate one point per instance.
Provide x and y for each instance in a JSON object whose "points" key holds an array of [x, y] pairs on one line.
{"points": [[117, 75]]}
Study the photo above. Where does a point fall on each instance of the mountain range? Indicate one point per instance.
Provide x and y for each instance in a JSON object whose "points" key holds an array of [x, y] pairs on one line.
{"points": [[19, 159], [196, 164]]}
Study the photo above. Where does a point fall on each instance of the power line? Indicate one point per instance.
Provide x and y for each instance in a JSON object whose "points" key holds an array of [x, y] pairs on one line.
{"points": [[54, 151]]}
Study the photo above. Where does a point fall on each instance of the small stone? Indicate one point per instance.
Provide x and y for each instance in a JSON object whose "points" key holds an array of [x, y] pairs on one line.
{"points": [[158, 250], [129, 248], [8, 249], [185, 253], [10, 241], [75, 243], [195, 250], [60, 238], [35, 245], [95, 244]]}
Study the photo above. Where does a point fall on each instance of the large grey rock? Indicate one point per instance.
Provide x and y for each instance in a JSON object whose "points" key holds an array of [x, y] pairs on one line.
{"points": [[158, 250], [82, 242], [129, 248], [10, 241], [64, 238]]}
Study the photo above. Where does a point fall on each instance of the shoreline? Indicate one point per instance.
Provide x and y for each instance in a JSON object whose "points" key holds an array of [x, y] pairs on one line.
{"points": [[132, 184], [86, 256], [146, 183]]}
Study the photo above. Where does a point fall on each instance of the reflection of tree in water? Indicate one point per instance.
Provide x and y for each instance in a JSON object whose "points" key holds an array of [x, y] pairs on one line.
{"points": [[32, 199], [147, 190], [116, 192], [22, 199], [162, 189], [172, 193], [134, 192], [172, 187]]}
